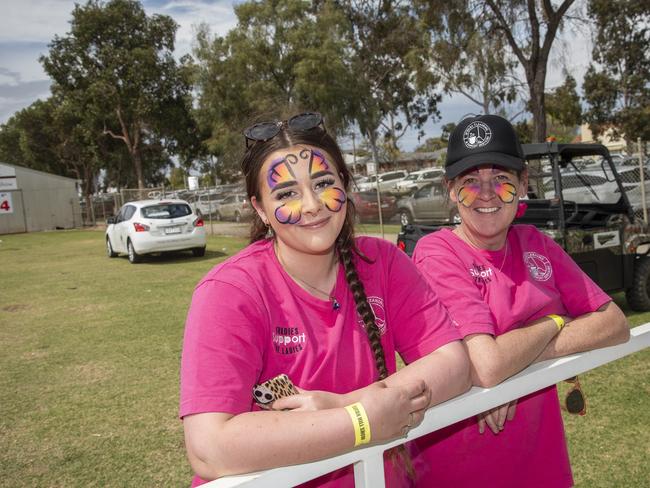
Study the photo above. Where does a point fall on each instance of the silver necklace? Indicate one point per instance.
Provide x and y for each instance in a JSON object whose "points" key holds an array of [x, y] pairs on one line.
{"points": [[505, 255], [330, 296], [466, 239]]}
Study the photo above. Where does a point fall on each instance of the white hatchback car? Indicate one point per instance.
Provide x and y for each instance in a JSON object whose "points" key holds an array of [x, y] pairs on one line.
{"points": [[151, 226]]}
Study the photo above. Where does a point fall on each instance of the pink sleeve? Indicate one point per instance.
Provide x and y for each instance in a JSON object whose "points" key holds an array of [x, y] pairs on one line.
{"points": [[579, 294], [422, 324], [453, 284], [222, 350]]}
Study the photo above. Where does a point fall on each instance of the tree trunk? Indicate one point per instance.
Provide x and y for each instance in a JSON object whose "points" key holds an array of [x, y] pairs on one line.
{"points": [[536, 84], [136, 157]]}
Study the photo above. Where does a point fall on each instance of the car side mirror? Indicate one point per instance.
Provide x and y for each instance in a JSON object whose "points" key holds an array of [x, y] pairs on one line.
{"points": [[110, 220]]}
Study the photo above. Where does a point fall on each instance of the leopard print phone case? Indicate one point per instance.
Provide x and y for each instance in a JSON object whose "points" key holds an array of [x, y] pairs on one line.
{"points": [[279, 387]]}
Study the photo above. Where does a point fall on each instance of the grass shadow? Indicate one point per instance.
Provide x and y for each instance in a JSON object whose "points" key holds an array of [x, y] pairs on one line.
{"points": [[179, 257]]}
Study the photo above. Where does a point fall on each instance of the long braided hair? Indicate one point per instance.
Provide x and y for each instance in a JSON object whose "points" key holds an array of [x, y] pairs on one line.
{"points": [[251, 165]]}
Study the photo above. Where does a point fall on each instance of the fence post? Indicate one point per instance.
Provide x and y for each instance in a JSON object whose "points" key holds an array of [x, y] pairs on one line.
{"points": [[369, 472], [642, 181]]}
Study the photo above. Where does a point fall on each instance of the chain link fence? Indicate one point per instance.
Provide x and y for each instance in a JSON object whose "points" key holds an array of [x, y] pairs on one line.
{"points": [[205, 201]]}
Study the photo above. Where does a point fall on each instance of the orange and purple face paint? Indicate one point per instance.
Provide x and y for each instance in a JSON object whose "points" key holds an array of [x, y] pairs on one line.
{"points": [[505, 191], [280, 175], [289, 212]]}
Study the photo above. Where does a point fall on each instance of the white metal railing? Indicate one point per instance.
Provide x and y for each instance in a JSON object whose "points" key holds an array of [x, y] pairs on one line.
{"points": [[368, 462]]}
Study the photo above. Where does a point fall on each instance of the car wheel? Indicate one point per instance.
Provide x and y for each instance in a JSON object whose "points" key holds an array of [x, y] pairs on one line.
{"points": [[134, 257], [638, 296], [237, 217], [405, 217], [109, 249], [198, 252]]}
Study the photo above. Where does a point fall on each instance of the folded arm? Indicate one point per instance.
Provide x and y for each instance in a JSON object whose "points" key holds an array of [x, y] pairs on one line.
{"points": [[493, 359], [607, 326], [220, 444]]}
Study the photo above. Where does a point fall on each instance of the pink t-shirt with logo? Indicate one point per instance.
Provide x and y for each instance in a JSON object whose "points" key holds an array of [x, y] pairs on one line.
{"points": [[249, 321], [492, 292]]}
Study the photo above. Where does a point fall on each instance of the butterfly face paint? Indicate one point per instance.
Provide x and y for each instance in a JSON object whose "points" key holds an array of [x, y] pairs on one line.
{"points": [[333, 198], [505, 190], [289, 213], [280, 173], [286, 188]]}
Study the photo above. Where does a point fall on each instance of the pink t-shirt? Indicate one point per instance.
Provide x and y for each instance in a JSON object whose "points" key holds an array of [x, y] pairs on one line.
{"points": [[249, 321], [493, 292]]}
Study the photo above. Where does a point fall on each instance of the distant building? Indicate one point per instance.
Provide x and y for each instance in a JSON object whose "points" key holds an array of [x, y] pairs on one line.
{"points": [[32, 200], [613, 144]]}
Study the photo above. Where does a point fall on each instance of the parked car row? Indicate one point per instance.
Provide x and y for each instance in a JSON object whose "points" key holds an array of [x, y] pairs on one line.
{"points": [[417, 179], [222, 207], [398, 182], [367, 206]]}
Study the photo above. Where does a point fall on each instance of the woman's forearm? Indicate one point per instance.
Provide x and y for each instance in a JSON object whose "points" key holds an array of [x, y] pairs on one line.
{"points": [[220, 444], [446, 371], [254, 441], [496, 358], [605, 327]]}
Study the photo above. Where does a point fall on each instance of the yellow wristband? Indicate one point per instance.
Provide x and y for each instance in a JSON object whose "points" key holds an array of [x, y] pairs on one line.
{"points": [[360, 423], [559, 321]]}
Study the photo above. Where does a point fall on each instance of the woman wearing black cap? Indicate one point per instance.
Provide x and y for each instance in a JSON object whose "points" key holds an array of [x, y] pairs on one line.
{"points": [[517, 298]]}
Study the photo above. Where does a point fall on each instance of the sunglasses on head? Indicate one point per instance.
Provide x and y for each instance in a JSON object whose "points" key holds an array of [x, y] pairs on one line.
{"points": [[265, 131], [575, 401]]}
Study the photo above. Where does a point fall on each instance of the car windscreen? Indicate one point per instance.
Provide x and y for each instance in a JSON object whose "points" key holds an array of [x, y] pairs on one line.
{"points": [[166, 211]]}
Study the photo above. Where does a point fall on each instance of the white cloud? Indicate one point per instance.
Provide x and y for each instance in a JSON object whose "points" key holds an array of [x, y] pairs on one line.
{"points": [[28, 26], [34, 20], [219, 15]]}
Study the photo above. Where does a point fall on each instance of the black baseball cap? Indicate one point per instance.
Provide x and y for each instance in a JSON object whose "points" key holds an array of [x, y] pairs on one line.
{"points": [[483, 139]]}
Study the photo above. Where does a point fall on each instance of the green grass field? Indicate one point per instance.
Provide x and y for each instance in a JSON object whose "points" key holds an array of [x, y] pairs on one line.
{"points": [[89, 371]]}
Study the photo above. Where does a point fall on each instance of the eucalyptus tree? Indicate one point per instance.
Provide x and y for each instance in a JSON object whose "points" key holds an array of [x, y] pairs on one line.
{"points": [[283, 56], [117, 66], [391, 87], [564, 110], [529, 29], [617, 84], [469, 54], [52, 136]]}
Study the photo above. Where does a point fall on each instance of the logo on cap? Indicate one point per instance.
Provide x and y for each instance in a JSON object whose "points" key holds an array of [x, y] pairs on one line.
{"points": [[477, 134]]}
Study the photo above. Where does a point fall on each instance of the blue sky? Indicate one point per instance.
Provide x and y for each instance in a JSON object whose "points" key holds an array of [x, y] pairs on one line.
{"points": [[27, 26]]}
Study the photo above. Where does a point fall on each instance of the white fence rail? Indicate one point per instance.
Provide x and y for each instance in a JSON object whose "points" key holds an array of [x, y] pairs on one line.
{"points": [[368, 462]]}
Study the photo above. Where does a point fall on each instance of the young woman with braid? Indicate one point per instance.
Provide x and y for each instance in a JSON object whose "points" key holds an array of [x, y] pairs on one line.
{"points": [[308, 299]]}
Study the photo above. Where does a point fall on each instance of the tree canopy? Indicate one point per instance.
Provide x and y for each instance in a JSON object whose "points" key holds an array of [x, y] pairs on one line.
{"points": [[282, 57], [616, 86], [116, 67]]}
